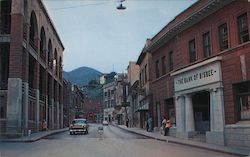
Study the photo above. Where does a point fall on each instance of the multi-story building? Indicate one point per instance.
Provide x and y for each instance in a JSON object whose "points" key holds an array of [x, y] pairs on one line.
{"points": [[144, 109], [121, 93], [132, 98], [201, 68], [93, 109], [109, 101], [68, 109], [31, 55], [77, 100]]}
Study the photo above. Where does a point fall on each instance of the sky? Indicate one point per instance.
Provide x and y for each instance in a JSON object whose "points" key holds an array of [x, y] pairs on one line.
{"points": [[97, 35]]}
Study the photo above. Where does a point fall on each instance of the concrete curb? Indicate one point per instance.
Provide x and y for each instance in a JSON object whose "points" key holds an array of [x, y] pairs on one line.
{"points": [[36, 136], [228, 150]]}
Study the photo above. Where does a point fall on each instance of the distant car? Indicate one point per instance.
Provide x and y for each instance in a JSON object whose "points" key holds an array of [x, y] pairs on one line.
{"points": [[105, 122], [79, 126]]}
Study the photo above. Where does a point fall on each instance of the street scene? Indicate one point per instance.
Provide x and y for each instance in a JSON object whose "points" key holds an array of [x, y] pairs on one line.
{"points": [[130, 78], [114, 142]]}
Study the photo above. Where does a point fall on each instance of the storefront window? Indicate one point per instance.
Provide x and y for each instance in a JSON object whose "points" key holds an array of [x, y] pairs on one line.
{"points": [[245, 107], [243, 100]]}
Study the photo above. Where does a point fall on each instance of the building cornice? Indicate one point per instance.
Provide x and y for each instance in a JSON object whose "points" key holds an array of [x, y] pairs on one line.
{"points": [[206, 62], [208, 9]]}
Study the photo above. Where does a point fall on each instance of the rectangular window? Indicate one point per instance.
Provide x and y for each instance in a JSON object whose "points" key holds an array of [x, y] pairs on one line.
{"points": [[140, 80], [143, 78], [223, 37], [5, 18], [163, 65], [243, 28], [192, 52], [206, 44], [157, 70], [2, 107], [171, 61], [243, 100], [145, 73]]}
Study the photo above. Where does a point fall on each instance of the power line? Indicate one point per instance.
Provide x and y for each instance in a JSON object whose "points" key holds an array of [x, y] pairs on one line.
{"points": [[77, 6]]}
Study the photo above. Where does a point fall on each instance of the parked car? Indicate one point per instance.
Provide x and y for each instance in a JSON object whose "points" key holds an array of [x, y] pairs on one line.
{"points": [[105, 122], [79, 126]]}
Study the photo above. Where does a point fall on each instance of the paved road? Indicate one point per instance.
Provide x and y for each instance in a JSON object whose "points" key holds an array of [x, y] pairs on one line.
{"points": [[114, 143]]}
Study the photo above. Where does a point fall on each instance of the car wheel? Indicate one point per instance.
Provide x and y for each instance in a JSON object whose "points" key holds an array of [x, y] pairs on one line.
{"points": [[70, 133], [87, 131]]}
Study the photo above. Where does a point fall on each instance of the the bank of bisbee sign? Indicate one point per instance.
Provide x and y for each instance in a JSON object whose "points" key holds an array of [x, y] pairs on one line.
{"points": [[197, 77]]}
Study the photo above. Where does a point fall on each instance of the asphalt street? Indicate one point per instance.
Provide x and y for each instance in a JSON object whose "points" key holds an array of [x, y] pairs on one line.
{"points": [[113, 143]]}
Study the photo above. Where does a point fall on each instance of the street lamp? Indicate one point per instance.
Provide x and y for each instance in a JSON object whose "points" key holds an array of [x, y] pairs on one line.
{"points": [[121, 7]]}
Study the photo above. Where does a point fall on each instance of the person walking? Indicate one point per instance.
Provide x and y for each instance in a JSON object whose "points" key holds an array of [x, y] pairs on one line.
{"points": [[163, 124], [168, 126]]}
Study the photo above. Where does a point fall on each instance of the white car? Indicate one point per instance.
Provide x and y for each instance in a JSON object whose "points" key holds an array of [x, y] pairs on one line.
{"points": [[105, 122]]}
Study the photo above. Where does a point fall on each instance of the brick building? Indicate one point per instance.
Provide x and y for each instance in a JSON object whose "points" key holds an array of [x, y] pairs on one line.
{"points": [[68, 108], [145, 106], [31, 55], [93, 109], [200, 71]]}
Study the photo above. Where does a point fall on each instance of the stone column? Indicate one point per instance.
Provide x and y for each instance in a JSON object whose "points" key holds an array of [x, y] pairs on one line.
{"points": [[14, 107], [180, 114], [14, 94], [37, 109], [52, 103], [189, 114], [25, 107], [57, 115], [217, 117]]}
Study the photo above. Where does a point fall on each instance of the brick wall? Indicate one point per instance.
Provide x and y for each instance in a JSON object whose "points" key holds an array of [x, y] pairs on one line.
{"points": [[163, 87]]}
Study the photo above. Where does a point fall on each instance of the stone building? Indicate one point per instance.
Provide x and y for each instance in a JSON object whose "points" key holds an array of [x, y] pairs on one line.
{"points": [[109, 101], [31, 56], [201, 72]]}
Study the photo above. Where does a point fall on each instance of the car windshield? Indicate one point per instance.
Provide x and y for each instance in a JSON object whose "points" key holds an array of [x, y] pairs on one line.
{"points": [[79, 121]]}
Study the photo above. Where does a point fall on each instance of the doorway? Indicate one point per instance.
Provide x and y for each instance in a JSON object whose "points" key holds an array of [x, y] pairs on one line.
{"points": [[201, 106]]}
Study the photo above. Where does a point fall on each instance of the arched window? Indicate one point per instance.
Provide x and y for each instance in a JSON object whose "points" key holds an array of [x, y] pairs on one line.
{"points": [[33, 30], [50, 55], [55, 63], [60, 67], [42, 43]]}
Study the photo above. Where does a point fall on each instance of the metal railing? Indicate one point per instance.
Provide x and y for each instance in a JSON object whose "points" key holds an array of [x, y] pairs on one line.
{"points": [[42, 98], [32, 93]]}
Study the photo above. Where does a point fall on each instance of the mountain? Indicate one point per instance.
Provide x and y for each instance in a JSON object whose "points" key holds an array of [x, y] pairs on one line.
{"points": [[82, 76]]}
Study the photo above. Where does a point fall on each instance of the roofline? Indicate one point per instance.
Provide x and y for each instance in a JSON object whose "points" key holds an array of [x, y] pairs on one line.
{"points": [[51, 22], [186, 22]]}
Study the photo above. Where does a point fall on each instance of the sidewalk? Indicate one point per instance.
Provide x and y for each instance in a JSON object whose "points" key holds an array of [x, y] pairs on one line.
{"points": [[34, 137], [157, 136]]}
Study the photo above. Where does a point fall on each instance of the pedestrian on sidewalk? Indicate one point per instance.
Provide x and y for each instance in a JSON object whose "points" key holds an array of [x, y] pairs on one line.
{"points": [[150, 121], [168, 126], [44, 125], [127, 121], [163, 124]]}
